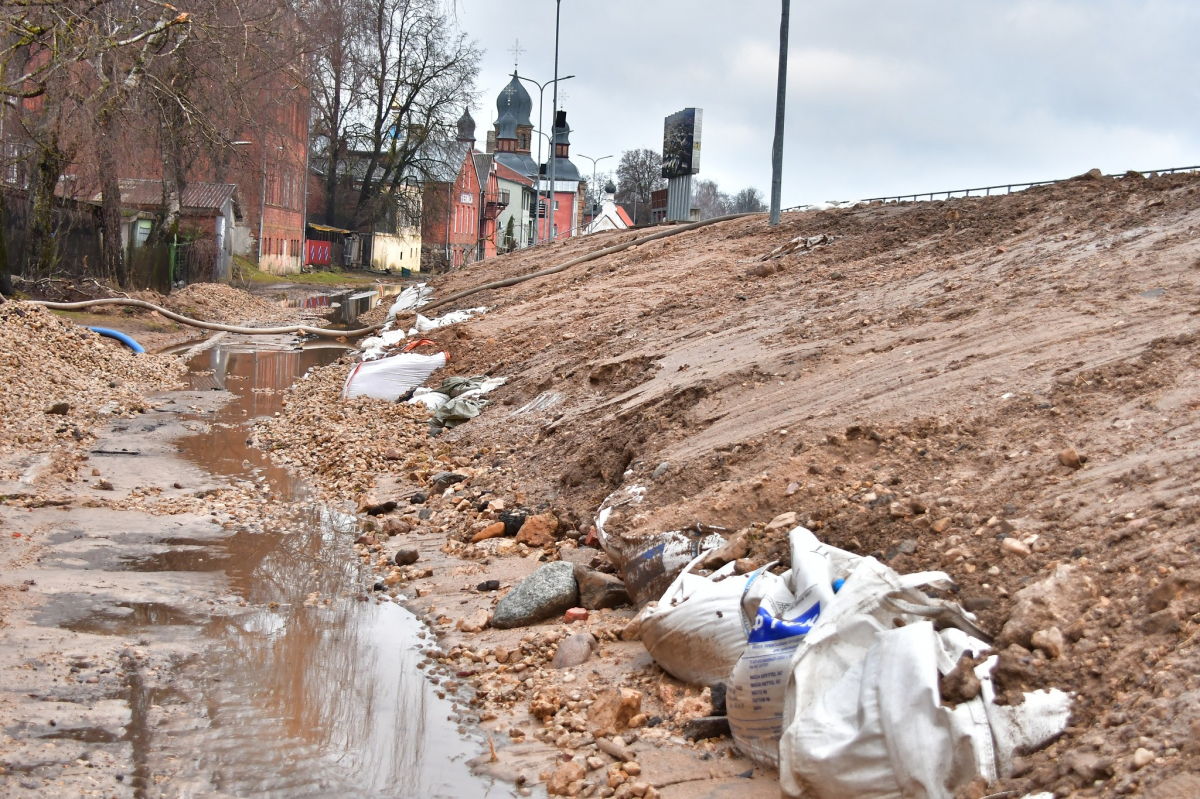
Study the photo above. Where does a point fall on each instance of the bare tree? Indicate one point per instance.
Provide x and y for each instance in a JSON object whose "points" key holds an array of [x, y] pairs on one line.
{"points": [[748, 200], [639, 175], [389, 84]]}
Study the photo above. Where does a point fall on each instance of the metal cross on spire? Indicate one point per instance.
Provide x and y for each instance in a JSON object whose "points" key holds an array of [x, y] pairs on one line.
{"points": [[516, 50]]}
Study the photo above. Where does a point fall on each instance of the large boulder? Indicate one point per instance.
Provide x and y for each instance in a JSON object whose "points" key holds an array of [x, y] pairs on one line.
{"points": [[550, 591]]}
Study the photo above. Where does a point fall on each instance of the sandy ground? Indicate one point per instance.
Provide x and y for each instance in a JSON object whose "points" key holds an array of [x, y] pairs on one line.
{"points": [[932, 381], [935, 379]]}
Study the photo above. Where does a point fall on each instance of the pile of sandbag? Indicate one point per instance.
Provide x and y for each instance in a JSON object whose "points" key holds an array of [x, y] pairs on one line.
{"points": [[833, 671]]}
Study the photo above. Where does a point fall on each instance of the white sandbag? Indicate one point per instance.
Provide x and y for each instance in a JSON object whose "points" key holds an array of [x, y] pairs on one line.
{"points": [[649, 563], [424, 324], [412, 297], [758, 680], [862, 711], [373, 347], [429, 398], [697, 632], [391, 378]]}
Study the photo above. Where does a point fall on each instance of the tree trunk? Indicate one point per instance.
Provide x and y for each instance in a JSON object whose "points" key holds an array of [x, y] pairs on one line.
{"points": [[6, 287], [112, 256], [42, 254]]}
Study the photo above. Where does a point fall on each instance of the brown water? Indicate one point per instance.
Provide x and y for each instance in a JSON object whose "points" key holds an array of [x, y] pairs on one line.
{"points": [[307, 701]]}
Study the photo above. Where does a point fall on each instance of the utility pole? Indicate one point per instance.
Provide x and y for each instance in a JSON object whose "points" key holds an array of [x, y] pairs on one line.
{"points": [[554, 117], [594, 162], [780, 104]]}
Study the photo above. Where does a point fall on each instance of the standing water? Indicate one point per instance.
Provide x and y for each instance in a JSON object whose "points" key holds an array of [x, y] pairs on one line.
{"points": [[317, 699]]}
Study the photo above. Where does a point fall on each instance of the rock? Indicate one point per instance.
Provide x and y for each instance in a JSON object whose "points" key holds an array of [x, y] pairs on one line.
{"points": [[960, 683], [575, 614], [598, 590], [512, 522], [575, 650], [783, 520], [1014, 546], [907, 546], [394, 527], [1163, 622], [104, 485], [614, 747], [393, 455], [406, 557], [1049, 641], [501, 654], [706, 727], [488, 585], [566, 774], [1089, 766], [474, 623], [633, 630], [419, 498], [1071, 459], [491, 531], [734, 549], [59, 409], [544, 704], [719, 692], [632, 768], [1057, 601], [1142, 758], [660, 470], [538, 531], [443, 480], [639, 789], [974, 604], [941, 525], [898, 510], [614, 707], [381, 508], [548, 592]]}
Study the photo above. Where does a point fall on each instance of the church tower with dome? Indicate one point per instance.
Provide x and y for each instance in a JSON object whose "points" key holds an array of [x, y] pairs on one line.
{"points": [[514, 129]]}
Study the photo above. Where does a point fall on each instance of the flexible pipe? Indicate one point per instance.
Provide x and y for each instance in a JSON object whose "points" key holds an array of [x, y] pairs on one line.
{"points": [[364, 331]]}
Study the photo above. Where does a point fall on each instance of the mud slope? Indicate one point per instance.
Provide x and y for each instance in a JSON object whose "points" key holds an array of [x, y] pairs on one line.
{"points": [[909, 389]]}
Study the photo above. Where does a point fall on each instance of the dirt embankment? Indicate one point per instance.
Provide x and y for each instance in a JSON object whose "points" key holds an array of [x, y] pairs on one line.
{"points": [[1004, 388]]}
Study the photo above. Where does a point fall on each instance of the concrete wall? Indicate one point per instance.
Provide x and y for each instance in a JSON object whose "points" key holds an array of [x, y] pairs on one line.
{"points": [[393, 253]]}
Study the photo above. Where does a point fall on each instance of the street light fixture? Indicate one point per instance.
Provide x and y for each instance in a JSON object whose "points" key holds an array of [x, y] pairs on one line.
{"points": [[541, 97]]}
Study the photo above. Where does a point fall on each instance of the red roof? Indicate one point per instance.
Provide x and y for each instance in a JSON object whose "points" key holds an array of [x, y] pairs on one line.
{"points": [[624, 216], [512, 175]]}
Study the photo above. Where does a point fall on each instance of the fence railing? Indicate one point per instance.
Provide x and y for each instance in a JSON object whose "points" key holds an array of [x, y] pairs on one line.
{"points": [[987, 191]]}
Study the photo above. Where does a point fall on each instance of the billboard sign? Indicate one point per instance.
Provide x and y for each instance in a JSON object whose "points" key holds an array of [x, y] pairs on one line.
{"points": [[681, 143]]}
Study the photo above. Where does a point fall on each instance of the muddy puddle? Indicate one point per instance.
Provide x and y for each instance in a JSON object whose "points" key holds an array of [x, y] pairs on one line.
{"points": [[303, 697]]}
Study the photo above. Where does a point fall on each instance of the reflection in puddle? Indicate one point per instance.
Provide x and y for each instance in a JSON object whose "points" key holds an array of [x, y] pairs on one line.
{"points": [[123, 618], [321, 700]]}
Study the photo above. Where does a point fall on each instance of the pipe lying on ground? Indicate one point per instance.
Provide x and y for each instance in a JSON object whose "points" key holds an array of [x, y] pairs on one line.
{"points": [[364, 331], [138, 349]]}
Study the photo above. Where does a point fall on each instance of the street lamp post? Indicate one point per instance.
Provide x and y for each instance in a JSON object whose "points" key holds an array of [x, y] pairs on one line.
{"points": [[554, 116], [780, 102], [541, 97], [594, 162]]}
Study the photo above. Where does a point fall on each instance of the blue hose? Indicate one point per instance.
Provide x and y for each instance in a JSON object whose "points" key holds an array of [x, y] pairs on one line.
{"points": [[138, 349]]}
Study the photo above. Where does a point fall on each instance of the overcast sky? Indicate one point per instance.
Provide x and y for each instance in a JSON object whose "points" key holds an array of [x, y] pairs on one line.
{"points": [[884, 96]]}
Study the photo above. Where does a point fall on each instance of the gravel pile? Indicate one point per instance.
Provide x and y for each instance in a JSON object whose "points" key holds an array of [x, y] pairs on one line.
{"points": [[343, 445], [216, 302], [58, 378]]}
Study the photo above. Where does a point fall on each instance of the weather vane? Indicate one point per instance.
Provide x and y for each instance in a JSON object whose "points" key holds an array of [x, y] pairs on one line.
{"points": [[516, 51]]}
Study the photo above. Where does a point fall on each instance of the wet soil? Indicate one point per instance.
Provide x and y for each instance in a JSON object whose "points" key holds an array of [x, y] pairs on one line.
{"points": [[201, 653]]}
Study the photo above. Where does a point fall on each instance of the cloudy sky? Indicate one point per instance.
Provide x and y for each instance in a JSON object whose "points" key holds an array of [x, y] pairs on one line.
{"points": [[884, 96]]}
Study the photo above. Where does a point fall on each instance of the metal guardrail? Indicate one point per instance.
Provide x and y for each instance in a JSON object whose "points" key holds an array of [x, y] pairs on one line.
{"points": [[987, 191]]}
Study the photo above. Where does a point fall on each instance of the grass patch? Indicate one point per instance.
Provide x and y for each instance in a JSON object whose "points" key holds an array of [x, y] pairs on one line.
{"points": [[245, 273]]}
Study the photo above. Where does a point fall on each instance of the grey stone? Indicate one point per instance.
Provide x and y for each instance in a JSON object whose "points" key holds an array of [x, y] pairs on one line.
{"points": [[549, 591], [406, 557], [907, 547], [660, 470], [575, 650], [598, 590], [706, 727], [443, 480]]}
